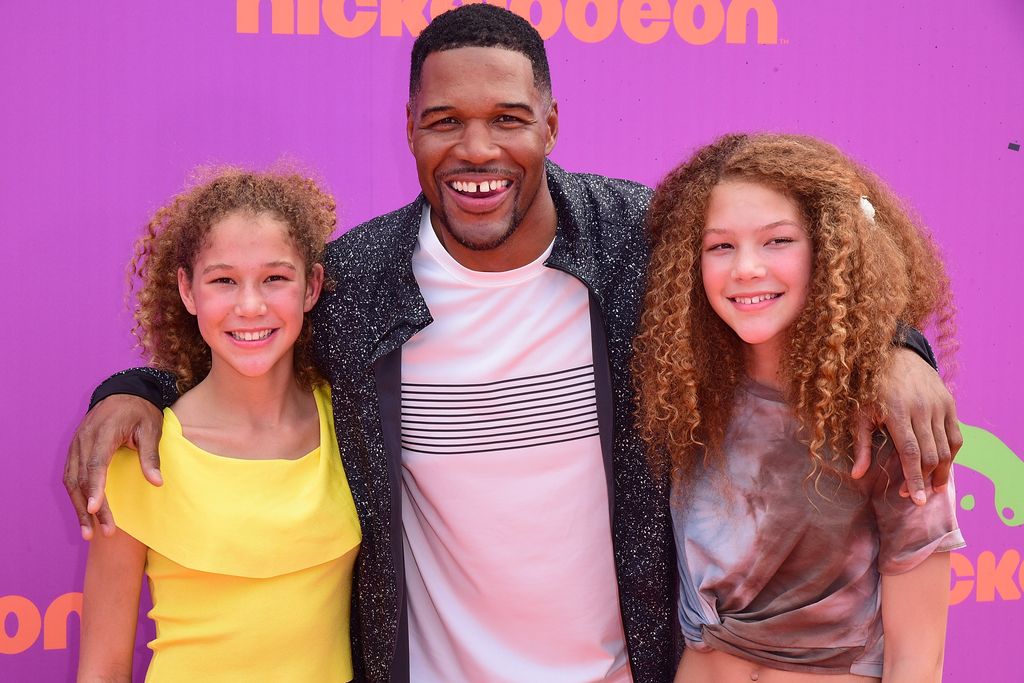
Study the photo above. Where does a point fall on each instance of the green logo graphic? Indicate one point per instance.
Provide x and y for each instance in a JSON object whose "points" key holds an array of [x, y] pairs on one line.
{"points": [[984, 453]]}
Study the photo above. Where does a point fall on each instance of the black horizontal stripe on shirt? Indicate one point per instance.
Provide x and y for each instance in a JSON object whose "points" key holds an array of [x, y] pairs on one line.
{"points": [[586, 410], [520, 412]]}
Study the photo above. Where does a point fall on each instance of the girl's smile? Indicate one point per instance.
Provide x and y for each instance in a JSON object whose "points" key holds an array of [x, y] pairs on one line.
{"points": [[756, 266], [249, 292]]}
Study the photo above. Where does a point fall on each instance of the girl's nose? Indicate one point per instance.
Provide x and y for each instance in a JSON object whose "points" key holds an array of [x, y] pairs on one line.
{"points": [[250, 302], [747, 265]]}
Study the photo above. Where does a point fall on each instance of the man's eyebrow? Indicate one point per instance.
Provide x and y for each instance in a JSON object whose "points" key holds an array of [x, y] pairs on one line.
{"points": [[435, 110], [516, 105], [444, 108]]}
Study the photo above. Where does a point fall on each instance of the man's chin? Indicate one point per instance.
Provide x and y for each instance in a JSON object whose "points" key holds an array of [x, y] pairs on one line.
{"points": [[479, 238]]}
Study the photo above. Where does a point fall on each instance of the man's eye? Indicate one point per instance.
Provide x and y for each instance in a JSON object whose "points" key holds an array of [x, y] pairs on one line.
{"points": [[509, 119], [446, 122]]}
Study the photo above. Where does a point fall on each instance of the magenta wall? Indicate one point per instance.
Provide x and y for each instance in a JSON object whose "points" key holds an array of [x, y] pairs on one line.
{"points": [[107, 105]]}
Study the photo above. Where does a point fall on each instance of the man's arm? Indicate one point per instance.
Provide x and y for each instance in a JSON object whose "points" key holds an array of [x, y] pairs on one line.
{"points": [[920, 415], [125, 411]]}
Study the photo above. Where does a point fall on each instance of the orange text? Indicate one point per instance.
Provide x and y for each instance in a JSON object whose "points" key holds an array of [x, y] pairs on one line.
{"points": [[697, 22], [987, 578], [28, 622]]}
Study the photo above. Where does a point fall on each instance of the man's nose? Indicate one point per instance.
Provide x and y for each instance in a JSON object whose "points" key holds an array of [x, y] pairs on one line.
{"points": [[477, 145]]}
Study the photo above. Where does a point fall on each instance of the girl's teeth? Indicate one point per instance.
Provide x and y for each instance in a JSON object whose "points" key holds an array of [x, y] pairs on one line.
{"points": [[755, 299], [251, 336]]}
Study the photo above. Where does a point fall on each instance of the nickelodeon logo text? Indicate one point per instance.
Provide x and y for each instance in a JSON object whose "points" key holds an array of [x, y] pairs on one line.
{"points": [[697, 22]]}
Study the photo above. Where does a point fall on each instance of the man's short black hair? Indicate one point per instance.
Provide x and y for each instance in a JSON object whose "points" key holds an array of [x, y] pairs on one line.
{"points": [[481, 25]]}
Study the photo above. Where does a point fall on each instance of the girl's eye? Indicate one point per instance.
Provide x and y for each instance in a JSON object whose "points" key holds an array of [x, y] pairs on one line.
{"points": [[223, 281], [718, 246], [781, 240], [277, 278]]}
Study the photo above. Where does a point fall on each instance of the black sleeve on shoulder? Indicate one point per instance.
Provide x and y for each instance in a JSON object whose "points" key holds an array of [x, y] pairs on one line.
{"points": [[156, 386], [911, 338]]}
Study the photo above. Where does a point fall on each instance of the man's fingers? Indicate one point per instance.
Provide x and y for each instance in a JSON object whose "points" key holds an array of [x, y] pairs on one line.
{"points": [[910, 458], [928, 440], [955, 440], [106, 519], [147, 441], [905, 439], [118, 420], [95, 483], [861, 447], [953, 434], [940, 475], [75, 493]]}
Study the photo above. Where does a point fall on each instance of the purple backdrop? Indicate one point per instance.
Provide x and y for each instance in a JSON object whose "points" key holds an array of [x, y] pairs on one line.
{"points": [[106, 106]]}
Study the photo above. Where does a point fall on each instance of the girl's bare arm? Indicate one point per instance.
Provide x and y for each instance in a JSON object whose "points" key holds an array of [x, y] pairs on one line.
{"points": [[110, 607], [914, 608]]}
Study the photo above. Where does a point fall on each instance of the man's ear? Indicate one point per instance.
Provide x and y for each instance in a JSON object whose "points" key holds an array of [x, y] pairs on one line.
{"points": [[314, 285], [185, 291], [409, 122], [552, 121]]}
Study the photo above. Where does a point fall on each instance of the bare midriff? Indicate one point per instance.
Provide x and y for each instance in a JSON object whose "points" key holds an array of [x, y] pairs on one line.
{"points": [[720, 667]]}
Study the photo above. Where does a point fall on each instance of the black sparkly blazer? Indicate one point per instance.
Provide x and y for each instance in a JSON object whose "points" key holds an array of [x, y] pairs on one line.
{"points": [[359, 330]]}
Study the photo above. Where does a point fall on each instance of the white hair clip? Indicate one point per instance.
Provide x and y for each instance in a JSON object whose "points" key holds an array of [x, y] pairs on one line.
{"points": [[868, 208]]}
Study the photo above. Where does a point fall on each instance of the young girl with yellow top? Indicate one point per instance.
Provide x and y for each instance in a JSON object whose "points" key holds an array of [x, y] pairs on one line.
{"points": [[780, 274], [250, 542]]}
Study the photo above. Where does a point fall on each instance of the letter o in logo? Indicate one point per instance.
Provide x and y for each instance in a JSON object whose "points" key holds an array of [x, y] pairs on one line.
{"points": [[27, 630], [686, 27]]}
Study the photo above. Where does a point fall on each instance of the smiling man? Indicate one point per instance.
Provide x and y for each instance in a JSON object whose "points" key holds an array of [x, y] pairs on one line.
{"points": [[480, 145], [477, 344]]}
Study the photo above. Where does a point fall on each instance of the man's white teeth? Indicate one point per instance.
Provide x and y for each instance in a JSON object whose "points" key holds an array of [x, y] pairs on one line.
{"points": [[756, 299], [483, 186], [251, 336]]}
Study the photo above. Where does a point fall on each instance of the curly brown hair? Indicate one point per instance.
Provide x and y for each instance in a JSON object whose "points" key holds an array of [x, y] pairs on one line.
{"points": [[868, 278], [167, 332]]}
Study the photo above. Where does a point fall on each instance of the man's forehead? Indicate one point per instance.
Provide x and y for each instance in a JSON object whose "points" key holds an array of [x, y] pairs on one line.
{"points": [[491, 75], [476, 64]]}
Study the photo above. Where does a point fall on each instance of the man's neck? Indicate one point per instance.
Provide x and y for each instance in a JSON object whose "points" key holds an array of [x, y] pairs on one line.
{"points": [[530, 239]]}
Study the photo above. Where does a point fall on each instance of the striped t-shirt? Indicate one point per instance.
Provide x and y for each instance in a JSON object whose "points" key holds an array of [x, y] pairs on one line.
{"points": [[508, 551]]}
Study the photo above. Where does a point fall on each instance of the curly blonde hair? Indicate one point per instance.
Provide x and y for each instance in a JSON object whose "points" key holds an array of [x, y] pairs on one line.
{"points": [[868, 278], [177, 232]]}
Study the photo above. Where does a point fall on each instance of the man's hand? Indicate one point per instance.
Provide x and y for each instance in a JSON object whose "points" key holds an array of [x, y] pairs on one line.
{"points": [[920, 415], [119, 420]]}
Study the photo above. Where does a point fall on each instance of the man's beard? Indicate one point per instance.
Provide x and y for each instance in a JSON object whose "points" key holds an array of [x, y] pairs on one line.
{"points": [[515, 218]]}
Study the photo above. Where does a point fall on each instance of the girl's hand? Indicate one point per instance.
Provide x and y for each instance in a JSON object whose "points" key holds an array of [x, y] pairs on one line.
{"points": [[920, 415]]}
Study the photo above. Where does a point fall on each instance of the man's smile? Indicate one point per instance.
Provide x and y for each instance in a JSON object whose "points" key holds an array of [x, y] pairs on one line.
{"points": [[481, 188]]}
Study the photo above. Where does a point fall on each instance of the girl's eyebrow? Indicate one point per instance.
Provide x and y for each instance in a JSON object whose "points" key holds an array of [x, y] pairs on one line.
{"points": [[280, 264], [769, 226], [270, 264]]}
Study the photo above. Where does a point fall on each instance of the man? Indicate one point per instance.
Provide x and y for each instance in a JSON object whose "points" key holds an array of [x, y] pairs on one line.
{"points": [[477, 344]]}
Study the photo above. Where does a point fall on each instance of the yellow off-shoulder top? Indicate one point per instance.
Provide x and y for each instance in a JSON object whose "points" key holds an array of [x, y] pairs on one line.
{"points": [[250, 561]]}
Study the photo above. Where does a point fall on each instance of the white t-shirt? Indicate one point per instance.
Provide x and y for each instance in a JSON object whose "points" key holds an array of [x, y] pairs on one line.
{"points": [[508, 552]]}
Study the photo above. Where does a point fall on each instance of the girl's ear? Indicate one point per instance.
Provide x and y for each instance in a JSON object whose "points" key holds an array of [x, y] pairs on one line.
{"points": [[314, 283], [185, 291]]}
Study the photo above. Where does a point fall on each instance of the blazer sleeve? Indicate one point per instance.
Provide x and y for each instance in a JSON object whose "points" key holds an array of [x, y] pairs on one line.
{"points": [[156, 386]]}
